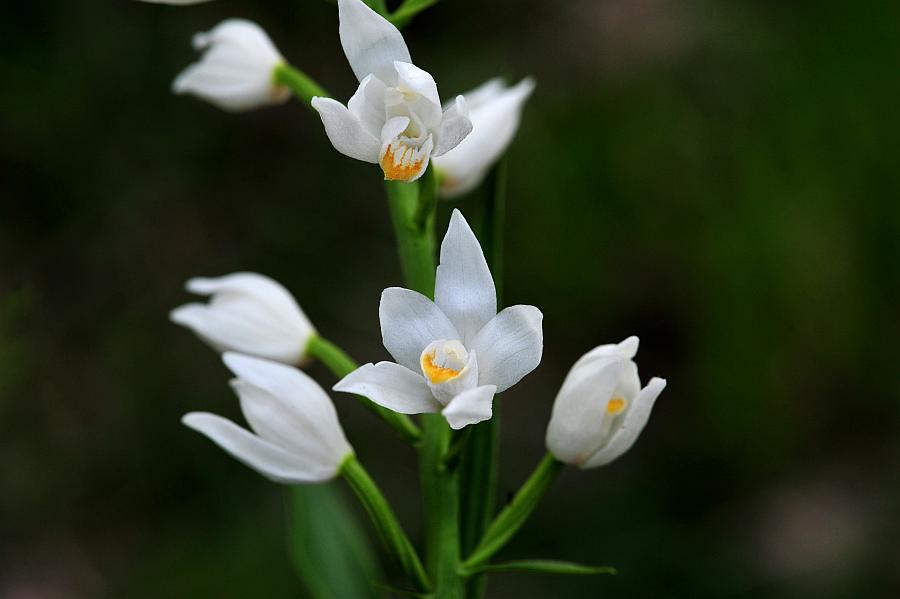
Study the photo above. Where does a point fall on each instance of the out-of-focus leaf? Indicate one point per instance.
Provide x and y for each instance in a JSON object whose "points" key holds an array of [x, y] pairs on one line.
{"points": [[546, 566], [328, 547]]}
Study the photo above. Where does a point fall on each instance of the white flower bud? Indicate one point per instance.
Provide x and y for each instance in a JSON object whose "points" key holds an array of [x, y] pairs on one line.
{"points": [[247, 313], [237, 69], [601, 409]]}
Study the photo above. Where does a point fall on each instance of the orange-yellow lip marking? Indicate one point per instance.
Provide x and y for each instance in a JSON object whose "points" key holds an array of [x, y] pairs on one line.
{"points": [[402, 168], [437, 374]]}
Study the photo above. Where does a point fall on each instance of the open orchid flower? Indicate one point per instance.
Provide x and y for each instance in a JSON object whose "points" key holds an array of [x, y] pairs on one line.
{"points": [[237, 69], [298, 437], [395, 117], [453, 354], [495, 111], [248, 313], [601, 409]]}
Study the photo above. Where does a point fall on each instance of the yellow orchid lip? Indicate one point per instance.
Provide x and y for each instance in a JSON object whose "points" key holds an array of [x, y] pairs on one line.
{"points": [[437, 374], [402, 163]]}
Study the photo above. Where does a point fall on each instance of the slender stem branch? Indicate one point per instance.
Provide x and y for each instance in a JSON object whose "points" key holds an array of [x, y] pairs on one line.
{"points": [[341, 365], [410, 8], [385, 522], [300, 84], [514, 515], [427, 203]]}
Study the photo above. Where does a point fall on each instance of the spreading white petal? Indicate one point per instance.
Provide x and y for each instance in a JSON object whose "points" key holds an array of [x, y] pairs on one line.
{"points": [[297, 394], [635, 420], [470, 407], [455, 126], [464, 289], [391, 386], [269, 460], [346, 132], [236, 70], [370, 42], [409, 322], [509, 346], [495, 114], [249, 313]]}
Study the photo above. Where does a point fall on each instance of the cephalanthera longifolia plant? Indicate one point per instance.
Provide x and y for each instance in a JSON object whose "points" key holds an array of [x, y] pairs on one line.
{"points": [[453, 349]]}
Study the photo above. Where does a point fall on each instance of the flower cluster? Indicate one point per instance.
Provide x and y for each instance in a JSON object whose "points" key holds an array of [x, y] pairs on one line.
{"points": [[451, 354]]}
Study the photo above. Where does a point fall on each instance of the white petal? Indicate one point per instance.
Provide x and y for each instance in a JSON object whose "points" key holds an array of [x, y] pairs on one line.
{"points": [[485, 93], [464, 289], [299, 397], [248, 313], [427, 104], [576, 422], [455, 126], [346, 131], [235, 71], [391, 386], [409, 322], [269, 460], [281, 426], [370, 42], [470, 407], [634, 423], [509, 346], [495, 120], [367, 104], [626, 349]]}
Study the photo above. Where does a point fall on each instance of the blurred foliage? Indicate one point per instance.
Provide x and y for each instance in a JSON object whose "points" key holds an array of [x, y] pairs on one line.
{"points": [[718, 178]]}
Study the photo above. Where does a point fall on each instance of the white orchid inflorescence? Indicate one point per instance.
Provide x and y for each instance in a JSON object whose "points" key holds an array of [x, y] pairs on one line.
{"points": [[454, 353], [395, 117]]}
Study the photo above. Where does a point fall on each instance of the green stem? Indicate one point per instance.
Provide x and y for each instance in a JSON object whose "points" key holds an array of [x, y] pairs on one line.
{"points": [[415, 244], [385, 522], [408, 10], [300, 84], [514, 515], [440, 494], [427, 202], [341, 365]]}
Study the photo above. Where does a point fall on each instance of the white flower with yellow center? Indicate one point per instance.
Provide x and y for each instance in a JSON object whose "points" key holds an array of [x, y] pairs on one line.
{"points": [[601, 409], [454, 353], [395, 117]]}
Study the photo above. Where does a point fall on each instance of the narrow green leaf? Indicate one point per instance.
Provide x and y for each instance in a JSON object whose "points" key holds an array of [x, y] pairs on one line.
{"points": [[327, 546], [545, 566]]}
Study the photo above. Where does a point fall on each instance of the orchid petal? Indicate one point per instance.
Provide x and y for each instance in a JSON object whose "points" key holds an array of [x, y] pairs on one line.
{"points": [[470, 407], [391, 386], [346, 131], [455, 126], [271, 461], [464, 289], [371, 43], [509, 346], [409, 322]]}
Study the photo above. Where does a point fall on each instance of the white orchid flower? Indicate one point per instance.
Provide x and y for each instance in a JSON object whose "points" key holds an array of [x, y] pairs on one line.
{"points": [[495, 111], [298, 437], [248, 313], [395, 117], [601, 409], [453, 354], [237, 70]]}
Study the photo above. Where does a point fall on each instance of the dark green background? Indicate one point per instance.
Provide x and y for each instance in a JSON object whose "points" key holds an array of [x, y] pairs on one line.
{"points": [[720, 178]]}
